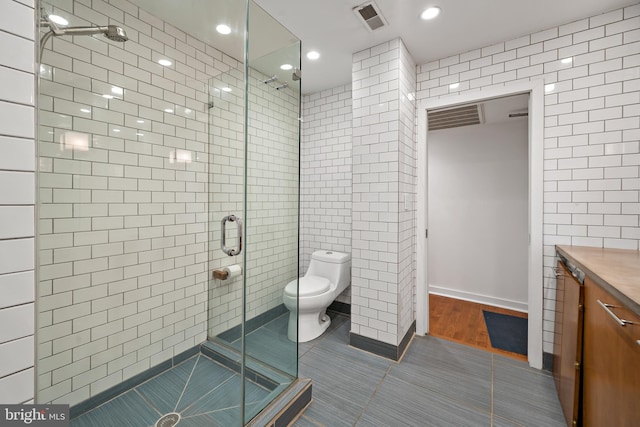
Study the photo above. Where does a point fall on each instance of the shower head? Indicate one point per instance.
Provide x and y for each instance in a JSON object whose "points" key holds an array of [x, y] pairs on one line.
{"points": [[112, 32], [283, 86]]}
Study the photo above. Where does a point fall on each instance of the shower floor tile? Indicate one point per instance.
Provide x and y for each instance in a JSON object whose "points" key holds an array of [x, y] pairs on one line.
{"points": [[270, 345], [202, 391]]}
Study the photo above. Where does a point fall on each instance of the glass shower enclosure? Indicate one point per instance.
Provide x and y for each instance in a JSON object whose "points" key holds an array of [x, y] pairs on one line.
{"points": [[168, 205]]}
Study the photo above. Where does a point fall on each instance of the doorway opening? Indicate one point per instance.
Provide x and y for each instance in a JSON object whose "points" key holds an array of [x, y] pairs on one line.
{"points": [[477, 209], [530, 272]]}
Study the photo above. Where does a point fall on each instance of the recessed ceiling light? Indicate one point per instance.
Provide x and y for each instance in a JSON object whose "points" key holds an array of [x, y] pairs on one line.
{"points": [[286, 67], [454, 85], [226, 89], [568, 60], [58, 20], [223, 29], [313, 55], [549, 88], [430, 13], [164, 62]]}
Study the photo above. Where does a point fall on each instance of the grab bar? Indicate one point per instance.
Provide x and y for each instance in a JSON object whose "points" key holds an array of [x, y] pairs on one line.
{"points": [[223, 231]]}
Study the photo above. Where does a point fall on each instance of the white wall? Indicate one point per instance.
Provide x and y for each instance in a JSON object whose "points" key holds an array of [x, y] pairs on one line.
{"points": [[383, 175], [477, 213], [123, 225], [592, 126], [325, 180], [406, 192], [271, 230], [17, 199]]}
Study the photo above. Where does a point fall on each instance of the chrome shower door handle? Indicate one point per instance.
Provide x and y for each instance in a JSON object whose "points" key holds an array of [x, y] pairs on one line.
{"points": [[223, 231]]}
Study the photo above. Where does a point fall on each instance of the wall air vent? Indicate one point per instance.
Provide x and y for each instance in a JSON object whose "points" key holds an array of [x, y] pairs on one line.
{"points": [[455, 117], [370, 15]]}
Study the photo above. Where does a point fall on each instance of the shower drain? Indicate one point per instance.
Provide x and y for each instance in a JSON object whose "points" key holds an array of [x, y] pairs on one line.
{"points": [[168, 420]]}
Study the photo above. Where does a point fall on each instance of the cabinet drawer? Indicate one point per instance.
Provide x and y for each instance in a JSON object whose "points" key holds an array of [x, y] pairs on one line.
{"points": [[611, 376]]}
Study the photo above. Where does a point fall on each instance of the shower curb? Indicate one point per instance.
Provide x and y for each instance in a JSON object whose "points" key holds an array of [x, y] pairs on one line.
{"points": [[287, 407]]}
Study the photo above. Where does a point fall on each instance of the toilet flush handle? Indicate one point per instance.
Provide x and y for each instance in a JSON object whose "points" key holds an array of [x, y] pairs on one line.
{"points": [[223, 232]]}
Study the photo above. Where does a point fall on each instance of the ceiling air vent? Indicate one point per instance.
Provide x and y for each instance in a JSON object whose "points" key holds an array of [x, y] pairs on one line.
{"points": [[455, 117], [370, 15]]}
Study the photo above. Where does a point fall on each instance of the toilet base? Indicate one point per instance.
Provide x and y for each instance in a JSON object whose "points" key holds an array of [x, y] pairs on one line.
{"points": [[312, 325]]}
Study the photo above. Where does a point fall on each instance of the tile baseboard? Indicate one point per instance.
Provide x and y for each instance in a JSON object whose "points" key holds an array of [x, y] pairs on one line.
{"points": [[340, 307], [547, 362], [390, 351]]}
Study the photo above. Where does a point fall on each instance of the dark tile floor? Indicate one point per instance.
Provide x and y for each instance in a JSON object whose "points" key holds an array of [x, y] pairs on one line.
{"points": [[437, 383]]}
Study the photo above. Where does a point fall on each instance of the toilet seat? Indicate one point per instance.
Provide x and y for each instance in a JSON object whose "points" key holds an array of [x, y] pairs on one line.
{"points": [[309, 286]]}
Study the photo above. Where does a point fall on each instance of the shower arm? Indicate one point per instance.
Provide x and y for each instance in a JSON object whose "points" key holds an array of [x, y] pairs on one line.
{"points": [[43, 42]]}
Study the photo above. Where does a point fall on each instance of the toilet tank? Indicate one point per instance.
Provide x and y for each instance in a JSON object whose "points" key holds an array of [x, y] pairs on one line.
{"points": [[335, 266]]}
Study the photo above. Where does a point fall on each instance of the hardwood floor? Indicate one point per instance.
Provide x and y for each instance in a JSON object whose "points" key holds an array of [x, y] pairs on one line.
{"points": [[462, 322]]}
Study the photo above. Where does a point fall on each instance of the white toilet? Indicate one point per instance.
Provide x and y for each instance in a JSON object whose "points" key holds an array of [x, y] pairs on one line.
{"points": [[328, 275]]}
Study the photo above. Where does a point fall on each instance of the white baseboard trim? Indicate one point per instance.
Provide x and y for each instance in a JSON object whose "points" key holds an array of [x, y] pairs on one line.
{"points": [[480, 299]]}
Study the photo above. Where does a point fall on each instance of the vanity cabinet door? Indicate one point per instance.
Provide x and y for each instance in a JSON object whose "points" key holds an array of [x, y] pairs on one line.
{"points": [[567, 353], [611, 381]]}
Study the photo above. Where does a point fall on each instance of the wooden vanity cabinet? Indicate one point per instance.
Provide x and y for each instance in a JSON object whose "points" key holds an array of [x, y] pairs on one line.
{"points": [[611, 363], [567, 352]]}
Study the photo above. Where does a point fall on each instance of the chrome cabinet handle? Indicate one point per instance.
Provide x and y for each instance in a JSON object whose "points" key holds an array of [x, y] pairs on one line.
{"points": [[223, 229], [608, 307]]}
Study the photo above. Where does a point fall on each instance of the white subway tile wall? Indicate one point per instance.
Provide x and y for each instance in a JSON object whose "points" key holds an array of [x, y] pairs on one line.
{"points": [[383, 176], [407, 177], [17, 199], [325, 187], [226, 194], [591, 71], [124, 180], [271, 226], [273, 185]]}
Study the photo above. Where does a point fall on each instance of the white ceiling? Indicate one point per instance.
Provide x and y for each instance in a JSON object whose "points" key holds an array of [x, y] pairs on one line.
{"points": [[497, 110], [331, 27]]}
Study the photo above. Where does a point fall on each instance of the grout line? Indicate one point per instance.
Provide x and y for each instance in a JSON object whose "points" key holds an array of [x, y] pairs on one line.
{"points": [[152, 406], [205, 395], [186, 383], [375, 391], [492, 376]]}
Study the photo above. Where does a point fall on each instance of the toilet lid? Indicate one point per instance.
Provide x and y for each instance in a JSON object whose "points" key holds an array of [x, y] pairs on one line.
{"points": [[309, 286]]}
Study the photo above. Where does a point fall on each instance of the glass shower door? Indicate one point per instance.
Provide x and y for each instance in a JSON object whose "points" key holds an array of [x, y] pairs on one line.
{"points": [[254, 177], [272, 202]]}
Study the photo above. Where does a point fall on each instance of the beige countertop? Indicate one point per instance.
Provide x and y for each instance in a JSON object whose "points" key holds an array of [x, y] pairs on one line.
{"points": [[616, 270]]}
